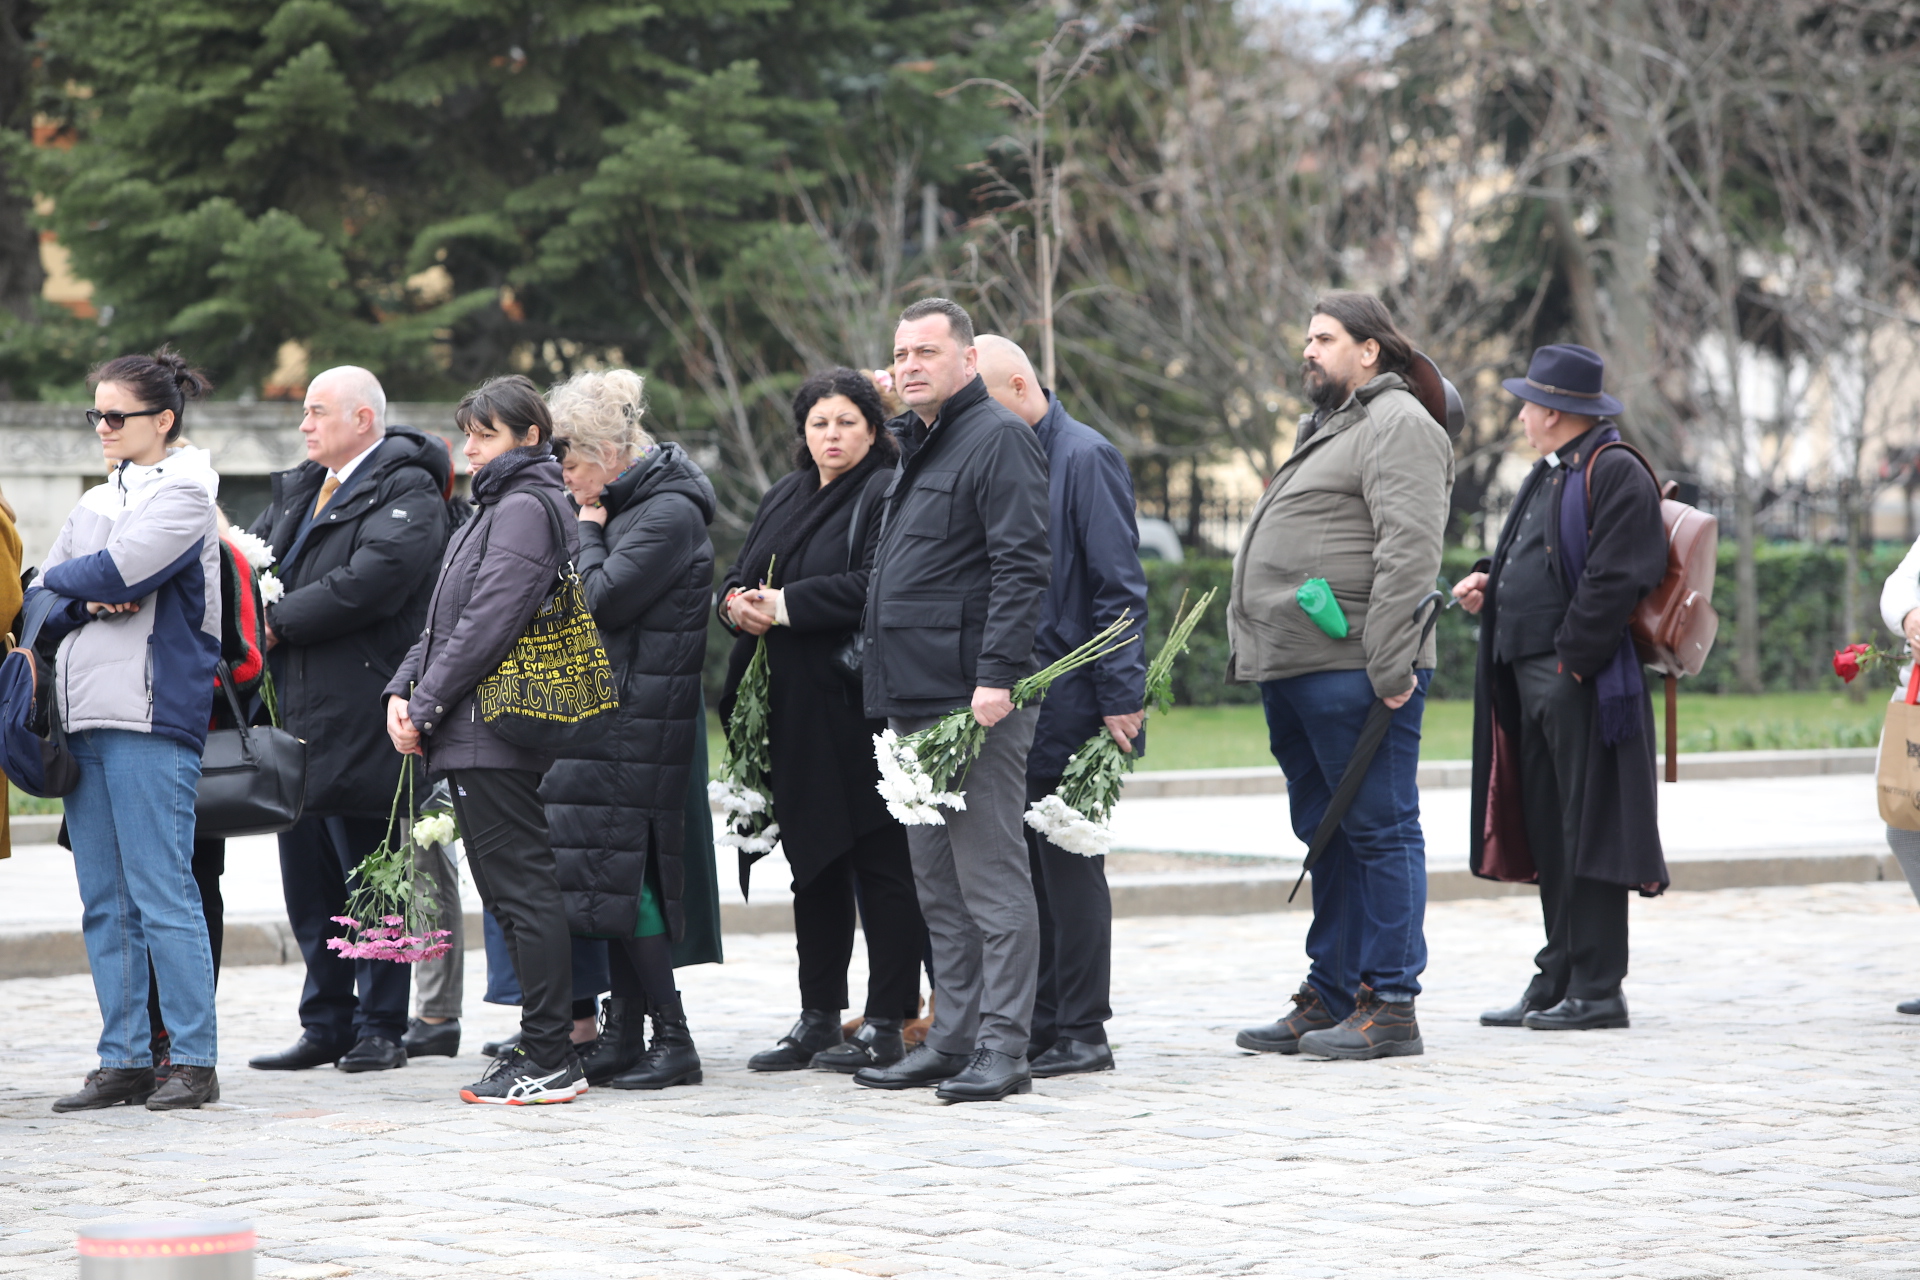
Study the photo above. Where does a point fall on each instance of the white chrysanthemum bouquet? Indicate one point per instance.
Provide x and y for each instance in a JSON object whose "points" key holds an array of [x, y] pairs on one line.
{"points": [[1075, 815], [925, 771], [742, 791]]}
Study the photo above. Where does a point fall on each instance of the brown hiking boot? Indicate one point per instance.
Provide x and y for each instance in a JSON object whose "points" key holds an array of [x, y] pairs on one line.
{"points": [[1309, 1014], [1376, 1029]]}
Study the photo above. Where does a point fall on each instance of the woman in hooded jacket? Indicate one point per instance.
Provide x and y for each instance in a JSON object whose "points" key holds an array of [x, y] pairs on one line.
{"points": [[617, 807], [133, 588], [499, 569]]}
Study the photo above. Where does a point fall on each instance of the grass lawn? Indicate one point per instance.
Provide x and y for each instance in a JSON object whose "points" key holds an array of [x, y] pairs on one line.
{"points": [[1230, 737]]}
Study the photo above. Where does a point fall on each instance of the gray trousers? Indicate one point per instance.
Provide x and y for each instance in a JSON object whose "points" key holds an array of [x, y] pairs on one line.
{"points": [[976, 893], [1906, 847], [439, 984]]}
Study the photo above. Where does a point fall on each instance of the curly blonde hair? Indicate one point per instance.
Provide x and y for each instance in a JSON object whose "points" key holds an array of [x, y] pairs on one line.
{"points": [[599, 414]]}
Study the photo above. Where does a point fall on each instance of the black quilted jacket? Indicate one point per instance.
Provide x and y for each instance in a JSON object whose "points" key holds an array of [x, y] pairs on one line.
{"points": [[620, 804]]}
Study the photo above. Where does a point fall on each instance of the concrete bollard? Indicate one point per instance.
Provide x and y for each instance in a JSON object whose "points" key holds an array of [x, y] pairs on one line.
{"points": [[167, 1251]]}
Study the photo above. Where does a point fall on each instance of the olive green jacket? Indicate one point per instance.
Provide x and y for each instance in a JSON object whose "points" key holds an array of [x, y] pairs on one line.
{"points": [[1364, 505]]}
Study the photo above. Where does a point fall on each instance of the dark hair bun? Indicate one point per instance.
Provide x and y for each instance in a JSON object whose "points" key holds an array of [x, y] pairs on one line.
{"points": [[193, 384], [163, 380]]}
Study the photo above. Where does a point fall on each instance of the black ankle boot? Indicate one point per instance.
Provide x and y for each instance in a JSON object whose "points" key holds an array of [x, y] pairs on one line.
{"points": [[622, 1042], [672, 1059], [817, 1031]]}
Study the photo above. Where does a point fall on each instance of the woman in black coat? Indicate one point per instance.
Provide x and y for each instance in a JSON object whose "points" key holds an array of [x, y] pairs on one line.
{"points": [[618, 808], [801, 582]]}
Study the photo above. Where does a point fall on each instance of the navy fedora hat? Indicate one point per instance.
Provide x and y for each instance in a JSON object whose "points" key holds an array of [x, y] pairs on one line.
{"points": [[1566, 377]]}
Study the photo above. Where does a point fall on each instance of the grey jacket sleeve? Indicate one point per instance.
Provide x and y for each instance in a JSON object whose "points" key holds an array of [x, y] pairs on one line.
{"points": [[514, 577], [1407, 480], [1010, 498]]}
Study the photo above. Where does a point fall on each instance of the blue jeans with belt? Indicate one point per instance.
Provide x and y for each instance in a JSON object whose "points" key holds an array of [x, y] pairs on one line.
{"points": [[131, 825], [1370, 887]]}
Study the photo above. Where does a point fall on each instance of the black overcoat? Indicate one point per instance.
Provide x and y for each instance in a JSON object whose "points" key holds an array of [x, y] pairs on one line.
{"points": [[356, 598], [1626, 558], [825, 780], [617, 809]]}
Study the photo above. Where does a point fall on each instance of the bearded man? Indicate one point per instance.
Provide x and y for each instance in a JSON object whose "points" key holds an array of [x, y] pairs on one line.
{"points": [[1361, 506]]}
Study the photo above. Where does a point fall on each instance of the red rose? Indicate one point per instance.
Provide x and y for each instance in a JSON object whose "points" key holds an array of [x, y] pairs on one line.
{"points": [[1846, 662]]}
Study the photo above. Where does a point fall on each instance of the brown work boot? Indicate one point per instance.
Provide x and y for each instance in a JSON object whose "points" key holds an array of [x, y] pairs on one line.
{"points": [[1376, 1029], [187, 1089], [109, 1087], [1309, 1014], [914, 1033]]}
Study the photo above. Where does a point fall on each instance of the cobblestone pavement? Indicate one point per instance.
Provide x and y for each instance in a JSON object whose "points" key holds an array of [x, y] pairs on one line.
{"points": [[1758, 1120]]}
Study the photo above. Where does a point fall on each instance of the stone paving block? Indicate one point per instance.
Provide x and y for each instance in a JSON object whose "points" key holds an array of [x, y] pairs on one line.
{"points": [[1721, 1135]]}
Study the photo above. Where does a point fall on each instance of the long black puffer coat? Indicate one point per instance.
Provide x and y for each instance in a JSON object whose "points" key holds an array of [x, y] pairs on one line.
{"points": [[621, 803]]}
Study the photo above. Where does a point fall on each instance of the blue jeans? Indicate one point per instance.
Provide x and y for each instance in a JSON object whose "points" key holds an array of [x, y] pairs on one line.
{"points": [[131, 824], [1370, 887]]}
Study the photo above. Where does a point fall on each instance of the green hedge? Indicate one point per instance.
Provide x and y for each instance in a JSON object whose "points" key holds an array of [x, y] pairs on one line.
{"points": [[1800, 599], [1800, 602]]}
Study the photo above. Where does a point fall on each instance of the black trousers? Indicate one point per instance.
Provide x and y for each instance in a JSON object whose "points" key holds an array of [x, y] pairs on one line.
{"points": [[889, 913], [1586, 920], [510, 856], [209, 864], [1073, 999], [317, 858]]}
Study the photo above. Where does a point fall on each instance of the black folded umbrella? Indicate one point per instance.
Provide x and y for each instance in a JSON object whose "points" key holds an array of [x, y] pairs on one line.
{"points": [[1372, 733]]}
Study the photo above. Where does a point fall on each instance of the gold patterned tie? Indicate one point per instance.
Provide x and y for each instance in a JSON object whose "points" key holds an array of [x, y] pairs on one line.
{"points": [[327, 487]]}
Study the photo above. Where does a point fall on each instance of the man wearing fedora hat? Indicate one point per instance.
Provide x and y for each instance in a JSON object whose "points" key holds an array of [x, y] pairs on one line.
{"points": [[1563, 727]]}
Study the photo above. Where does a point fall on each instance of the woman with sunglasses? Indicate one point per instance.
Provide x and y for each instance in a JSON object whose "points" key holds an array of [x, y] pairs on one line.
{"points": [[134, 581]]}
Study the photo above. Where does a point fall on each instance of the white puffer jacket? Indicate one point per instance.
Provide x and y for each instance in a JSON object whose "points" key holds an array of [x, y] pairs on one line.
{"points": [[147, 535], [1899, 597]]}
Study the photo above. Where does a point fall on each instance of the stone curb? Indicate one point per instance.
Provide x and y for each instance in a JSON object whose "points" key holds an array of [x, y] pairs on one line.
{"points": [[1169, 784], [49, 953]]}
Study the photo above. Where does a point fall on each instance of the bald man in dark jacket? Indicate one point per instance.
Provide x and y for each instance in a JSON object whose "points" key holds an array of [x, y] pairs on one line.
{"points": [[1096, 577]]}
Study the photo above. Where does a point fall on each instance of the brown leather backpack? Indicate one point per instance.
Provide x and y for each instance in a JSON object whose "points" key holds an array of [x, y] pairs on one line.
{"points": [[1674, 626]]}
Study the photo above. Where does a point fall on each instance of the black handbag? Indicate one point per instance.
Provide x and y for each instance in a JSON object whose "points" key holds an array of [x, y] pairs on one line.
{"points": [[849, 658], [253, 779]]}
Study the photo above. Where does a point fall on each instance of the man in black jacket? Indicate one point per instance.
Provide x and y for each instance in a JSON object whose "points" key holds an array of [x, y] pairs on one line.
{"points": [[357, 531], [1096, 577], [958, 583], [1562, 721]]}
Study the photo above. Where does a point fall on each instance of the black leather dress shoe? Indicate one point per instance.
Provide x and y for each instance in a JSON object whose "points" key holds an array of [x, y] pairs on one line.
{"points": [[1072, 1057], [817, 1031], [373, 1053], [494, 1048], [432, 1039], [1907, 1006], [1514, 1015], [877, 1043], [925, 1066], [1575, 1014], [309, 1052], [990, 1076]]}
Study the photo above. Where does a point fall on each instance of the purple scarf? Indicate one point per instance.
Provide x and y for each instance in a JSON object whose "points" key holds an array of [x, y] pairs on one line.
{"points": [[1620, 685]]}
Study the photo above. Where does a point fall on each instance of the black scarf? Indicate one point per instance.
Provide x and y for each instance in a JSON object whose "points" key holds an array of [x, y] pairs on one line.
{"points": [[783, 546]]}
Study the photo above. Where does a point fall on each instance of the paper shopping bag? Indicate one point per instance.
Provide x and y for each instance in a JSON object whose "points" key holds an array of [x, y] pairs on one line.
{"points": [[1899, 779]]}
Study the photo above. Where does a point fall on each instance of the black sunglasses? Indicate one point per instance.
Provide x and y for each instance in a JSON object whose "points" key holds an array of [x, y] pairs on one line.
{"points": [[116, 419]]}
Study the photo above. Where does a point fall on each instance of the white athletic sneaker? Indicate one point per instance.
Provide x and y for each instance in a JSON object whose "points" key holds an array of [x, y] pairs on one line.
{"points": [[513, 1080]]}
